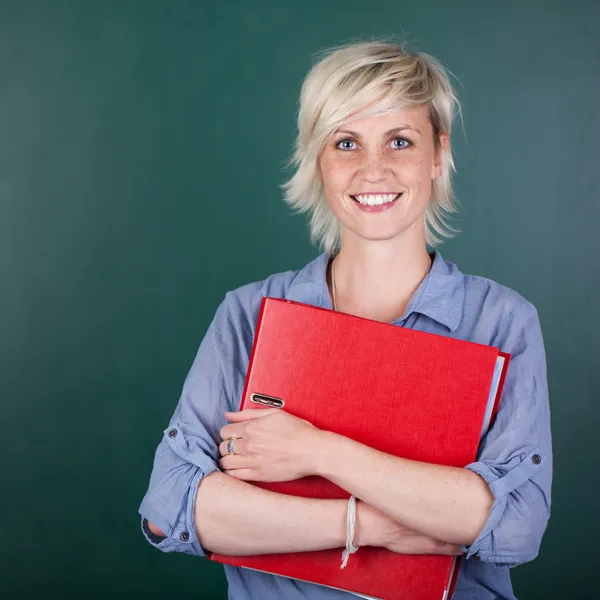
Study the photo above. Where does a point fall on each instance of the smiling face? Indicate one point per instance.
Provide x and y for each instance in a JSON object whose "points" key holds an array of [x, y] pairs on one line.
{"points": [[377, 173]]}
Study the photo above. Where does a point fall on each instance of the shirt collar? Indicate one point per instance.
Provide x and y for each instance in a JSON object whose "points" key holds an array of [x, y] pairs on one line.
{"points": [[439, 296]]}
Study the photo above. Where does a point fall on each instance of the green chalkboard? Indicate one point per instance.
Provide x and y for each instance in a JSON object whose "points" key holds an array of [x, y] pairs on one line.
{"points": [[142, 146]]}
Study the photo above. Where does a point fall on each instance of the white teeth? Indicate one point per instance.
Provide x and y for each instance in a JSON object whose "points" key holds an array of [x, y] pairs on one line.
{"points": [[375, 199]]}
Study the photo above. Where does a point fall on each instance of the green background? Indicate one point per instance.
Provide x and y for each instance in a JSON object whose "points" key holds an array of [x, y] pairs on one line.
{"points": [[142, 145]]}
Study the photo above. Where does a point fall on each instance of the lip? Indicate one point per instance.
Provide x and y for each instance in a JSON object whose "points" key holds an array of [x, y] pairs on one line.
{"points": [[375, 209], [375, 193]]}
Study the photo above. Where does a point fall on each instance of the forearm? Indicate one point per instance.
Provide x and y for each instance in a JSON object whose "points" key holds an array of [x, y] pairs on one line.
{"points": [[446, 503], [236, 518]]}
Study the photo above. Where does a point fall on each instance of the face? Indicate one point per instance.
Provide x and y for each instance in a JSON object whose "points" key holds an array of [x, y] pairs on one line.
{"points": [[377, 173]]}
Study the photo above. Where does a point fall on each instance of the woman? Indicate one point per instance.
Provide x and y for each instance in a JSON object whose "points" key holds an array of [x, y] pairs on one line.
{"points": [[373, 165]]}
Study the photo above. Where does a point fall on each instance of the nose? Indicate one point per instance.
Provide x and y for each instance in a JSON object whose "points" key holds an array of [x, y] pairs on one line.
{"points": [[374, 167]]}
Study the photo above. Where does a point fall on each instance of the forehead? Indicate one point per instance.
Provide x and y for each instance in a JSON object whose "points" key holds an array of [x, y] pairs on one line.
{"points": [[373, 119]]}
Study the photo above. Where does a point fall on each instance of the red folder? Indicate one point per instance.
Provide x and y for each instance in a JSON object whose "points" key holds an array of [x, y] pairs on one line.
{"points": [[408, 393]]}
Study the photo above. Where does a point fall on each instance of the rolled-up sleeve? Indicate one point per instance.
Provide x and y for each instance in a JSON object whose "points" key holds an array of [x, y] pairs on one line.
{"points": [[188, 450], [515, 456]]}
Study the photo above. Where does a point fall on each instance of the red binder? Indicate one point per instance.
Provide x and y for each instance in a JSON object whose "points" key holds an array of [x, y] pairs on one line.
{"points": [[433, 396]]}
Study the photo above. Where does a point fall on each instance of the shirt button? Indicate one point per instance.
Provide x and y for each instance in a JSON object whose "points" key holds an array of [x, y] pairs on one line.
{"points": [[476, 556], [536, 459], [184, 536], [172, 433]]}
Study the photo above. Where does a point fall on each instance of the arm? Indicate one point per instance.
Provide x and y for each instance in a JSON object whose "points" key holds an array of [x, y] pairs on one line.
{"points": [[237, 518], [449, 503], [445, 503], [274, 523], [515, 457]]}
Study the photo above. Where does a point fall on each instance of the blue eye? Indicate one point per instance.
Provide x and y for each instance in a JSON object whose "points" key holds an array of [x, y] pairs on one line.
{"points": [[402, 143], [345, 145]]}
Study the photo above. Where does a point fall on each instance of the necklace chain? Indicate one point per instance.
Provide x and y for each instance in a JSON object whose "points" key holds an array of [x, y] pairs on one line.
{"points": [[333, 290], [333, 283]]}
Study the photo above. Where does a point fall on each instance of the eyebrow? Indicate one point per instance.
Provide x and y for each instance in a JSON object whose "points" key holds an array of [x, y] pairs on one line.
{"points": [[386, 134]]}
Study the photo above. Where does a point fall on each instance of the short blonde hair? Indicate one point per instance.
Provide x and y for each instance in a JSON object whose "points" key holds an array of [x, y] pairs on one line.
{"points": [[345, 80]]}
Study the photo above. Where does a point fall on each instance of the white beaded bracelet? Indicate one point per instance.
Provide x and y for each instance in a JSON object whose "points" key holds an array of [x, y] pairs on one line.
{"points": [[350, 521]]}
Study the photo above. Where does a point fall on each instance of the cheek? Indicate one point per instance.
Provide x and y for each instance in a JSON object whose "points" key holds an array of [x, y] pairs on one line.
{"points": [[335, 176], [416, 173]]}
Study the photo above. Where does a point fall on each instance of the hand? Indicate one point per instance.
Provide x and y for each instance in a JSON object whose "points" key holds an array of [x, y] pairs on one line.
{"points": [[374, 528], [273, 445]]}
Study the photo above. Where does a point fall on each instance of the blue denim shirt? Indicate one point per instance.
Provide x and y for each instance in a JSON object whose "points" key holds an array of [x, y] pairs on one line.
{"points": [[446, 303]]}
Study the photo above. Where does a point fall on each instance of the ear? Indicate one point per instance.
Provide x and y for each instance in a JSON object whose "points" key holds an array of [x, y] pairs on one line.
{"points": [[436, 169]]}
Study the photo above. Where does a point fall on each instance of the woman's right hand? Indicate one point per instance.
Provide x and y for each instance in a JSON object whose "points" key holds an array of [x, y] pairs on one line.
{"points": [[374, 528]]}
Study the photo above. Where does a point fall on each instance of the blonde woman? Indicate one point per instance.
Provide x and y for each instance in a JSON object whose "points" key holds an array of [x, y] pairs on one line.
{"points": [[373, 169]]}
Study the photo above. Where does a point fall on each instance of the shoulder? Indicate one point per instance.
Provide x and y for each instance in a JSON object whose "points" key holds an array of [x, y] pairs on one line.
{"points": [[241, 305], [494, 310], [495, 296]]}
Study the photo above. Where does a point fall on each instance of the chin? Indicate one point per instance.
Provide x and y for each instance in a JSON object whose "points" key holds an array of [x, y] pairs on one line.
{"points": [[379, 236], [384, 229]]}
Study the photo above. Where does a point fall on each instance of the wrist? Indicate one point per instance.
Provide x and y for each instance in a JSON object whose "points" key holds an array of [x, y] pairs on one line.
{"points": [[318, 451], [365, 533]]}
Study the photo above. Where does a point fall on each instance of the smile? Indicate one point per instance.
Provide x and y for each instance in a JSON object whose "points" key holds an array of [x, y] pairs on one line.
{"points": [[375, 199]]}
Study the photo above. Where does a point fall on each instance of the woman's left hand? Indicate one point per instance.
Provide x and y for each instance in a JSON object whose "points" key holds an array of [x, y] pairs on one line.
{"points": [[272, 445]]}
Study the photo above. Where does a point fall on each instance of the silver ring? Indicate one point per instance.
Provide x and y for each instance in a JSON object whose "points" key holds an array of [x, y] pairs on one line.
{"points": [[230, 443]]}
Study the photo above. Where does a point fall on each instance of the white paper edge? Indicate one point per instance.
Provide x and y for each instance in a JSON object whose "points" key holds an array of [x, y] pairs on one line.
{"points": [[492, 397]]}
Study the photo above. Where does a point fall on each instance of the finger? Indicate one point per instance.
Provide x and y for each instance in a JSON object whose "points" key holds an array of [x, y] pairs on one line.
{"points": [[233, 461], [242, 474], [455, 550], [249, 414], [232, 430], [238, 447], [448, 549]]}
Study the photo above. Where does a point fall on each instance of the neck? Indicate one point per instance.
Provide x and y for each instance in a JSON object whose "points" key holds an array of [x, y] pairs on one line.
{"points": [[377, 280]]}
